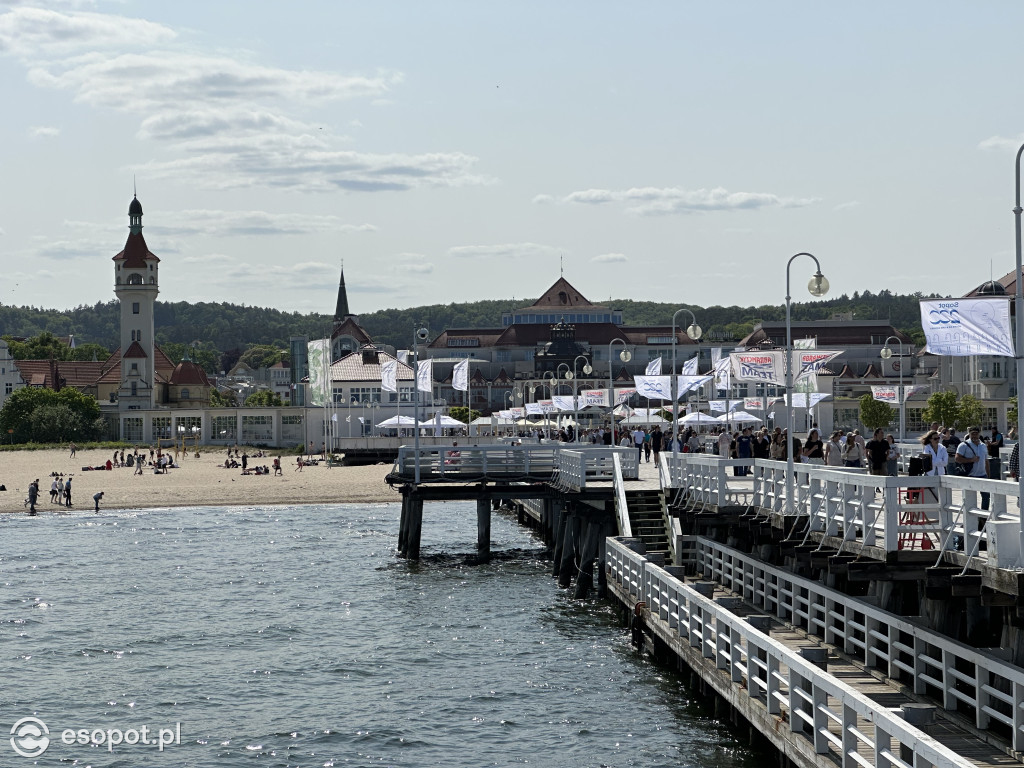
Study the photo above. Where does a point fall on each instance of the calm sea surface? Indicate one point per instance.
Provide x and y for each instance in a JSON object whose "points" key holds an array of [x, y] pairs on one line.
{"points": [[293, 636]]}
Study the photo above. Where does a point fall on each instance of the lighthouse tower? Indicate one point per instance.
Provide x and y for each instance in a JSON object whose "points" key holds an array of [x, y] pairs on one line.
{"points": [[136, 286]]}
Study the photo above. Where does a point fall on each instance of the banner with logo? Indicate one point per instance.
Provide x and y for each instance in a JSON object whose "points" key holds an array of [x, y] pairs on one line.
{"points": [[690, 366], [460, 376], [767, 366], [654, 387], [724, 405], [810, 343], [389, 376], [810, 362], [594, 397], [965, 327], [563, 402], [913, 390], [722, 377], [654, 367], [622, 395], [318, 355], [425, 376], [517, 413], [753, 403], [534, 409], [686, 384], [885, 394]]}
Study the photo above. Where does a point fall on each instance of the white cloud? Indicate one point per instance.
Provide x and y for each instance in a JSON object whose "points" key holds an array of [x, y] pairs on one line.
{"points": [[246, 223], [504, 251], [44, 131], [416, 263], [217, 121], [609, 258], [209, 258], [1002, 143], [543, 199], [847, 206], [655, 201], [40, 33]]}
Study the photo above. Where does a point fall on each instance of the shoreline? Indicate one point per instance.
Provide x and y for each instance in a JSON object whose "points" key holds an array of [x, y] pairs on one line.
{"points": [[195, 483]]}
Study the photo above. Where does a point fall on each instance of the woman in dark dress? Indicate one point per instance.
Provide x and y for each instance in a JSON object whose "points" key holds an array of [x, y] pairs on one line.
{"points": [[814, 448]]}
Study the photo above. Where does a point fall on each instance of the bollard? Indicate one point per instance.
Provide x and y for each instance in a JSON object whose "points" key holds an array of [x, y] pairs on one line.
{"points": [[815, 654]]}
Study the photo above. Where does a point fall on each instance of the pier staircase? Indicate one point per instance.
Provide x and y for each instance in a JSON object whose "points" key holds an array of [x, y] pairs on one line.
{"points": [[648, 517]]}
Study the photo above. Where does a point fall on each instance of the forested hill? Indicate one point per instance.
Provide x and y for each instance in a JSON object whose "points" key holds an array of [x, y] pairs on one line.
{"points": [[232, 327]]}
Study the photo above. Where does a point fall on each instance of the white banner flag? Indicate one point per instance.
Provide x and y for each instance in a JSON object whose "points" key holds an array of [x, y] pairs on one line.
{"points": [[686, 384], [716, 355], [912, 390], [722, 378], [654, 387], [460, 376], [425, 376], [547, 406], [517, 412], [504, 414], [810, 343], [563, 402], [622, 395], [690, 366], [767, 366], [597, 397], [884, 394], [318, 355], [753, 403], [334, 417], [964, 327], [534, 409], [809, 363], [389, 376], [724, 405], [654, 367]]}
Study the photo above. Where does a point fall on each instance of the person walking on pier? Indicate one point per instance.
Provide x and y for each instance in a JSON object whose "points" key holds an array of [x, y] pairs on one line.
{"points": [[878, 453], [936, 452], [973, 452]]}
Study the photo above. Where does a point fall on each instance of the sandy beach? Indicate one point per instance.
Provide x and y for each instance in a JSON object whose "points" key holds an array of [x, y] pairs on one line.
{"points": [[197, 482]]}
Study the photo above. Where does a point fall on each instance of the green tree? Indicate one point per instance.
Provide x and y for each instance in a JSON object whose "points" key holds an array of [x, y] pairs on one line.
{"points": [[943, 408], [45, 346], [43, 415], [1011, 413], [459, 414], [874, 413], [220, 399], [972, 411], [263, 399], [262, 356], [86, 352]]}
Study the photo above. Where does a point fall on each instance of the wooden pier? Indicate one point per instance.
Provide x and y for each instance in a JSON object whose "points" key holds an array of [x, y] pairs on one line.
{"points": [[872, 621]]}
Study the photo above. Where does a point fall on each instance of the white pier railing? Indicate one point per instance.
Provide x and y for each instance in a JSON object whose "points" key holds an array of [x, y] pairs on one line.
{"points": [[890, 513], [835, 718], [930, 663]]}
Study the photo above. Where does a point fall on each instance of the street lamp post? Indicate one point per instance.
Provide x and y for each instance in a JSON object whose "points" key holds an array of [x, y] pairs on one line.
{"points": [[418, 336], [1018, 317], [693, 332], [587, 370], [568, 377], [625, 356], [885, 354], [818, 286]]}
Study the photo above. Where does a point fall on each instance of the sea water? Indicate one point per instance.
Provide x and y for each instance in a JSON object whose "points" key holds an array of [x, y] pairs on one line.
{"points": [[294, 636]]}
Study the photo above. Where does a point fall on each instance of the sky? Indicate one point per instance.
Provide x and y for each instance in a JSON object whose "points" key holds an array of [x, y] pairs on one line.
{"points": [[454, 151]]}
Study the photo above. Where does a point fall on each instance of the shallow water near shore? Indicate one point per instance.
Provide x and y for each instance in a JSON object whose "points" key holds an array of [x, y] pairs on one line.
{"points": [[293, 636]]}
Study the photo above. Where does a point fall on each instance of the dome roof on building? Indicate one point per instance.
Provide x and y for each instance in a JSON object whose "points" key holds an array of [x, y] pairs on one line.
{"points": [[990, 288], [188, 373], [135, 207]]}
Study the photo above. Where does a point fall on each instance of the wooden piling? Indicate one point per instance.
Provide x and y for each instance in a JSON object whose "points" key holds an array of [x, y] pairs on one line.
{"points": [[483, 530], [415, 527]]}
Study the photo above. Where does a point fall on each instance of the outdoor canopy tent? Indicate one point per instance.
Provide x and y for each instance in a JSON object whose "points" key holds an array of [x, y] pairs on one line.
{"points": [[486, 421], [398, 421], [699, 418], [443, 421], [739, 417], [638, 419]]}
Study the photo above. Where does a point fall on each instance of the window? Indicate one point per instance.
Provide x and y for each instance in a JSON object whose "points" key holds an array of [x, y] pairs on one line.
{"points": [[365, 394], [134, 279], [135, 307], [462, 341], [659, 339], [184, 394], [135, 368], [258, 429], [8, 388], [135, 388], [162, 427], [503, 356], [132, 429], [338, 394], [224, 428]]}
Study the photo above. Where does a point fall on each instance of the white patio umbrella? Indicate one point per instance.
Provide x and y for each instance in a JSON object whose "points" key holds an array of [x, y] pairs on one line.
{"points": [[398, 421], [638, 419], [699, 418], [739, 417], [444, 421]]}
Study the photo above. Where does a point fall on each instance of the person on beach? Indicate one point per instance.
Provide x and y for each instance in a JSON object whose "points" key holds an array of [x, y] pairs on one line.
{"points": [[96, 498], [138, 467], [74, 450], [60, 490], [53, 491], [67, 493], [33, 495], [298, 463], [277, 466]]}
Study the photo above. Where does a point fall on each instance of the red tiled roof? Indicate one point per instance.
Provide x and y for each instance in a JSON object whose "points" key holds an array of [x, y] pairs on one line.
{"points": [[351, 328], [352, 368], [187, 372], [135, 350], [77, 374], [136, 252]]}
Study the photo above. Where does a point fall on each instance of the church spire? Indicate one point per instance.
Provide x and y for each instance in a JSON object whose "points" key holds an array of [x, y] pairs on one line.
{"points": [[341, 310], [135, 216]]}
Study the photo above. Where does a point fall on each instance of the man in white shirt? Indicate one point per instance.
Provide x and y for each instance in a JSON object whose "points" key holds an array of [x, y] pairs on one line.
{"points": [[638, 440]]}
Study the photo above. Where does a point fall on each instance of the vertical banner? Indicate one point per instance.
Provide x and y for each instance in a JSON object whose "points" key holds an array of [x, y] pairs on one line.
{"points": [[690, 366], [965, 327], [389, 376], [460, 376], [654, 367], [318, 353], [722, 376], [425, 376]]}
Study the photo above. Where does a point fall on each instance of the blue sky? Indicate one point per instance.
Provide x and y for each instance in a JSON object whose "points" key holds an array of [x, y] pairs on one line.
{"points": [[448, 151]]}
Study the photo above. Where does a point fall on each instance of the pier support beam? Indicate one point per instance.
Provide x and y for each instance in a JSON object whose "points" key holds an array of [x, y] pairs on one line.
{"points": [[570, 537], [592, 532], [483, 530], [403, 526], [414, 527]]}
